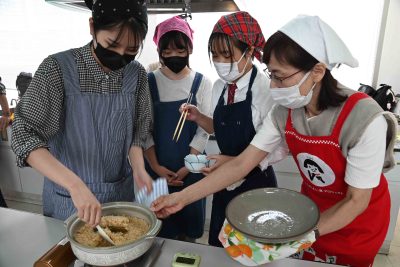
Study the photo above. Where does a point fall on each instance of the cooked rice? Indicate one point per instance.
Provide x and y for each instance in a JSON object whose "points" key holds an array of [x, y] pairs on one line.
{"points": [[121, 229], [114, 221]]}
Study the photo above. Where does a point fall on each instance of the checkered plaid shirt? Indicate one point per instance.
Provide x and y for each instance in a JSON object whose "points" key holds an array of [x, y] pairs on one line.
{"points": [[38, 115]]}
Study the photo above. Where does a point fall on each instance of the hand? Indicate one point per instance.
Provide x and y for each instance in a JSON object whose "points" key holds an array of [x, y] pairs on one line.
{"points": [[219, 160], [166, 205], [4, 121], [181, 174], [164, 172], [142, 178], [87, 205], [193, 111]]}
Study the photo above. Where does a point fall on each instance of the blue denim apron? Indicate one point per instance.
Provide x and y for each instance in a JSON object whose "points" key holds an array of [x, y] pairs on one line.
{"points": [[170, 154], [94, 140], [234, 130]]}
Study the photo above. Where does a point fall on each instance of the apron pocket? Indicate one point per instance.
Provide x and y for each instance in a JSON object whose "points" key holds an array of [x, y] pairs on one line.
{"points": [[118, 125], [124, 184]]}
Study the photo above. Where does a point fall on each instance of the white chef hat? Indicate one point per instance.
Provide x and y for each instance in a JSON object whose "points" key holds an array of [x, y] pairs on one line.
{"points": [[319, 40]]}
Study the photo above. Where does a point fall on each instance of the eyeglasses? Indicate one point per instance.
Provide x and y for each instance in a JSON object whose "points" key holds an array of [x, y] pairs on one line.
{"points": [[276, 78]]}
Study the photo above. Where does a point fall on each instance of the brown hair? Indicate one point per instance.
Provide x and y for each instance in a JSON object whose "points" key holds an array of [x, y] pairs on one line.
{"points": [[287, 51]]}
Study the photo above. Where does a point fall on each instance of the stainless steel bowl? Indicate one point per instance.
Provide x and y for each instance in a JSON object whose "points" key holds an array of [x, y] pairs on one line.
{"points": [[109, 256]]}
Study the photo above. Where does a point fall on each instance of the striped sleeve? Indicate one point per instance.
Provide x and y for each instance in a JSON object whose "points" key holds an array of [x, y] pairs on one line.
{"points": [[143, 123], [38, 114]]}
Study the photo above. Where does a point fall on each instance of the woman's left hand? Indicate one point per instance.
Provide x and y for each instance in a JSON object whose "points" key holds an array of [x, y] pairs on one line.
{"points": [[142, 178], [219, 160]]}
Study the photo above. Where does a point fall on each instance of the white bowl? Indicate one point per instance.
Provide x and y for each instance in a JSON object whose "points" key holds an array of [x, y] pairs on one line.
{"points": [[194, 163]]}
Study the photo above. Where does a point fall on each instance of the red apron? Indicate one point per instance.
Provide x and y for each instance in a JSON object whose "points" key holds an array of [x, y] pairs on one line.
{"points": [[322, 167]]}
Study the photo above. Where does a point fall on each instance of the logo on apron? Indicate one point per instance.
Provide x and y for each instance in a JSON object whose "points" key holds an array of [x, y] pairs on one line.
{"points": [[316, 170]]}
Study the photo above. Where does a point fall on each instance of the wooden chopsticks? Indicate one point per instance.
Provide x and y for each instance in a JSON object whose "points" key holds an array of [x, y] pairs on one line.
{"points": [[182, 122]]}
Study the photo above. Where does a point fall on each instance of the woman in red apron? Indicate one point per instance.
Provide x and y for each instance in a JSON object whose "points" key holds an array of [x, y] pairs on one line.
{"points": [[358, 242], [337, 136]]}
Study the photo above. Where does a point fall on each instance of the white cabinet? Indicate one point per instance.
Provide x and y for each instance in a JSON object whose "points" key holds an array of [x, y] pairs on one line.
{"points": [[31, 181], [9, 175], [20, 183], [288, 176], [393, 177]]}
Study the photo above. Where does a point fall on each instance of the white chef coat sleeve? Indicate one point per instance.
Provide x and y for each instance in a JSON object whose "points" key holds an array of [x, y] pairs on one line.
{"points": [[365, 159], [282, 150], [215, 94], [268, 136], [279, 153], [203, 97]]}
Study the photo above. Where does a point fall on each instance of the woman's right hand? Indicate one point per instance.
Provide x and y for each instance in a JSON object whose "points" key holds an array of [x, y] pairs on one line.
{"points": [[87, 205], [193, 111]]}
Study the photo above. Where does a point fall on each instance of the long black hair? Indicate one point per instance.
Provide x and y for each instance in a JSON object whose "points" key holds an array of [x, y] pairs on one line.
{"points": [[287, 51]]}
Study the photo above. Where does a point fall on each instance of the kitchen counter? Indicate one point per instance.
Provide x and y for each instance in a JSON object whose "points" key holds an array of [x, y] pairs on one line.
{"points": [[25, 236], [217, 257]]}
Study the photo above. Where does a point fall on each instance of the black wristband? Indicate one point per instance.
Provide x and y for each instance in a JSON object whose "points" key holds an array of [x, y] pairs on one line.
{"points": [[316, 232]]}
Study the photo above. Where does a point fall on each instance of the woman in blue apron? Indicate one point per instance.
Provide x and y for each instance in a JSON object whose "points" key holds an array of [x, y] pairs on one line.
{"points": [[170, 87], [241, 101], [78, 121]]}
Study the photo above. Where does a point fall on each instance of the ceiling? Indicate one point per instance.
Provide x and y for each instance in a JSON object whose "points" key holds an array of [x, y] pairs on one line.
{"points": [[166, 6]]}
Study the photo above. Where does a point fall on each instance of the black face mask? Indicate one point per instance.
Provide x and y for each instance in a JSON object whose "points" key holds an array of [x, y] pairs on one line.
{"points": [[111, 59], [176, 64]]}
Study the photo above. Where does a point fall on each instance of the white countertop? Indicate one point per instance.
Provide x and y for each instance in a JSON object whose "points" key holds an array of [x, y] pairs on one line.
{"points": [[24, 237]]}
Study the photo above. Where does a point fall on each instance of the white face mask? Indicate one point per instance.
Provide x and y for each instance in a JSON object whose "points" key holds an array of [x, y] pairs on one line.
{"points": [[227, 73], [290, 97]]}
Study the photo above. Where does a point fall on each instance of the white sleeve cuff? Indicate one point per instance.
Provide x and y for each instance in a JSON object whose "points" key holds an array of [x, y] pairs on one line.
{"points": [[200, 140], [365, 159], [267, 138], [275, 156]]}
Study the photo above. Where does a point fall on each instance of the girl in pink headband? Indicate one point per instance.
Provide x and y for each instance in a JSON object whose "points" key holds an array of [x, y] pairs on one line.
{"points": [[170, 86]]}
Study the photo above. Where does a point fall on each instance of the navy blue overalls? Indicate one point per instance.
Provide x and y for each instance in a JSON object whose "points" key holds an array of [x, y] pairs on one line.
{"points": [[234, 130], [170, 154], [94, 140]]}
